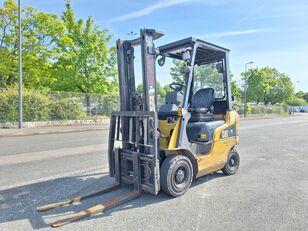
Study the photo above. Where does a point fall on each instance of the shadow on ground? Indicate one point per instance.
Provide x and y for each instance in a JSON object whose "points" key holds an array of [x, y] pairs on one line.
{"points": [[20, 203]]}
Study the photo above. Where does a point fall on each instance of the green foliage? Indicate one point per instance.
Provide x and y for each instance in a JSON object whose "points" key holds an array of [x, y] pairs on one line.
{"points": [[297, 102], [282, 89], [40, 31], [167, 88], [36, 107], [255, 109], [248, 108], [65, 109], [236, 91], [268, 85], [305, 96], [84, 62], [140, 89], [110, 104], [161, 91], [302, 95], [176, 71], [204, 76], [62, 54], [207, 76]]}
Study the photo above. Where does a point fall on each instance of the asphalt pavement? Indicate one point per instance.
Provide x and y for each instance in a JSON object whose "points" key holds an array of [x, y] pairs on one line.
{"points": [[270, 191]]}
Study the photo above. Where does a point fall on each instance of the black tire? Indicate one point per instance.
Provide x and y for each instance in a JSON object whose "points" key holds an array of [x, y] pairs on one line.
{"points": [[176, 175], [232, 164]]}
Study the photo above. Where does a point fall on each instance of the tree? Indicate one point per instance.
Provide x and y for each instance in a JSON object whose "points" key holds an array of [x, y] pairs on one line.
{"points": [[256, 85], [297, 102], [176, 71], [305, 96], [204, 76], [268, 85], [236, 91], [161, 92], [167, 88], [84, 62], [39, 33], [300, 94], [282, 90], [207, 76]]}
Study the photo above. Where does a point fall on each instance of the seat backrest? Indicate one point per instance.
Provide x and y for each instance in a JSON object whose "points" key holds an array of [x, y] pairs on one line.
{"points": [[203, 98], [174, 97]]}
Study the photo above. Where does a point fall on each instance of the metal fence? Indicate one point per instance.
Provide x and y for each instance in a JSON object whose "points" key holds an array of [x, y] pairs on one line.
{"points": [[261, 109], [51, 105], [59, 106]]}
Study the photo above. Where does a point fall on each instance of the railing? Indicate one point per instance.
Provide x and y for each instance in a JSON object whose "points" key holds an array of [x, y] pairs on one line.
{"points": [[44, 105], [261, 109]]}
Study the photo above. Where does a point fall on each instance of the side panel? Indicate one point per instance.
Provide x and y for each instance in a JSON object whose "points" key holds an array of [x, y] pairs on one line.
{"points": [[166, 128], [225, 138]]}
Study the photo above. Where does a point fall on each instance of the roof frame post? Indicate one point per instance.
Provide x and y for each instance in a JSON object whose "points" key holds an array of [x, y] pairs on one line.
{"points": [[228, 80]]}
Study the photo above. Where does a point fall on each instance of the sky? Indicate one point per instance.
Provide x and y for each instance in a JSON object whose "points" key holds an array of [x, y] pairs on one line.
{"points": [[267, 32]]}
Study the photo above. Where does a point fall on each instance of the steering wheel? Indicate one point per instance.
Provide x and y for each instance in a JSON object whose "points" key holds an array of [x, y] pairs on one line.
{"points": [[177, 86]]}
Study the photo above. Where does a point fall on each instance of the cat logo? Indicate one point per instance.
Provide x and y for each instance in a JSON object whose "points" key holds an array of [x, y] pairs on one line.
{"points": [[225, 134]]}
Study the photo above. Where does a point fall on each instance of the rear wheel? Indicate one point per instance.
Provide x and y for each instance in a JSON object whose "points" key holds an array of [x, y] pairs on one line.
{"points": [[232, 164], [176, 175]]}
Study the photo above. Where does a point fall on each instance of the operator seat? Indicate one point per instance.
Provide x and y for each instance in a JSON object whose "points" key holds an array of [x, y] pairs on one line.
{"points": [[201, 108], [202, 123], [170, 108]]}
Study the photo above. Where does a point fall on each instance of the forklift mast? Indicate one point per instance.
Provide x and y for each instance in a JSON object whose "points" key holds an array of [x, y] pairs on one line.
{"points": [[134, 127], [125, 51]]}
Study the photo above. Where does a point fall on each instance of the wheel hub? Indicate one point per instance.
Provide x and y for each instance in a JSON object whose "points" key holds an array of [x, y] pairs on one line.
{"points": [[180, 176]]}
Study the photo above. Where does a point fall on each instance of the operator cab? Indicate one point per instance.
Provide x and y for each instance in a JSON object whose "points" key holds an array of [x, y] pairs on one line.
{"points": [[203, 91]]}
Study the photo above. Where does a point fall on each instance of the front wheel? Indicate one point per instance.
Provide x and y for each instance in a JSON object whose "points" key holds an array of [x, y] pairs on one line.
{"points": [[176, 175], [232, 164]]}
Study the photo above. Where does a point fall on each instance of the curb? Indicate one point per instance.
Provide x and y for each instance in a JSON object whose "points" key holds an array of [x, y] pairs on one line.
{"points": [[30, 133], [242, 118], [105, 126]]}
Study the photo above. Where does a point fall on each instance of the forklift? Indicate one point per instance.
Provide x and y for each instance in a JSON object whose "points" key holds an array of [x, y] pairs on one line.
{"points": [[194, 133]]}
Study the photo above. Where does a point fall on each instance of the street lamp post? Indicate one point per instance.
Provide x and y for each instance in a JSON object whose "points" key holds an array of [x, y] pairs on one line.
{"points": [[245, 89], [19, 68], [294, 96]]}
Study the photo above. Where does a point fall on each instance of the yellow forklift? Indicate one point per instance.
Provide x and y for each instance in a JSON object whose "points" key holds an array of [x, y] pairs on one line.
{"points": [[165, 147]]}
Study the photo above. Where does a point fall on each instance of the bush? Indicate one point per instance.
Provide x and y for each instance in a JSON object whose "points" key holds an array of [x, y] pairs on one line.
{"points": [[66, 109], [8, 105], [35, 106], [278, 109], [110, 104], [248, 108], [268, 109], [255, 109], [297, 102]]}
